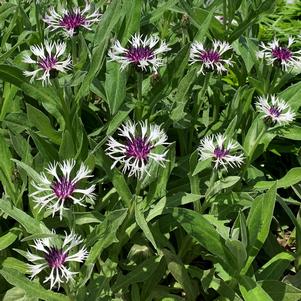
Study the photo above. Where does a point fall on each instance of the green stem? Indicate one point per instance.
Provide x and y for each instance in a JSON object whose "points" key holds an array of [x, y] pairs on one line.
{"points": [[139, 105], [251, 154], [199, 101], [74, 50], [65, 106], [209, 190]]}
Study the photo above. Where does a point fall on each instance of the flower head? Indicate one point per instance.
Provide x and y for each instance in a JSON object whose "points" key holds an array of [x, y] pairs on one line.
{"points": [[71, 20], [210, 58], [223, 151], [275, 110], [284, 56], [48, 61], [138, 147], [55, 257], [143, 53], [57, 193]]}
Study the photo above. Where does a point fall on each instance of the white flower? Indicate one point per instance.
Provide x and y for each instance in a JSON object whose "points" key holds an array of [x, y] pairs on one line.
{"points": [[138, 147], [274, 53], [71, 20], [222, 150], [54, 193], [210, 58], [275, 110], [55, 257], [143, 53], [47, 61]]}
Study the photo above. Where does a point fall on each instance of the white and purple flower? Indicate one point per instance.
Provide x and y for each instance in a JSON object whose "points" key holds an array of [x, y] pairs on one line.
{"points": [[48, 61], [281, 55], [62, 190], [55, 257], [222, 150], [72, 20], [138, 148], [210, 58], [143, 53], [275, 110]]}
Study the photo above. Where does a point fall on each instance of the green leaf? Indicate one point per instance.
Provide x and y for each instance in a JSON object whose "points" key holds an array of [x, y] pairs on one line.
{"points": [[178, 199], [182, 97], [280, 291], [115, 86], [141, 222], [139, 274], [6, 169], [177, 269], [14, 263], [39, 120], [252, 291], [17, 294], [31, 225], [9, 238], [102, 36], [200, 229], [275, 267], [45, 95], [105, 234], [258, 223], [292, 177], [33, 289]]}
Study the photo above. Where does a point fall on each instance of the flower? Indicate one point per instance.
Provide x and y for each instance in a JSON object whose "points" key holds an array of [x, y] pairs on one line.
{"points": [[138, 149], [142, 53], [54, 194], [276, 112], [280, 55], [71, 20], [55, 257], [222, 150], [210, 58], [47, 60]]}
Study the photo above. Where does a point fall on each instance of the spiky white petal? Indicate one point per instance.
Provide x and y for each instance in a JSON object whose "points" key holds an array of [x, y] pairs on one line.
{"points": [[230, 157], [269, 104], [152, 62], [288, 62], [61, 273], [198, 51], [45, 195], [55, 20], [53, 51], [152, 135]]}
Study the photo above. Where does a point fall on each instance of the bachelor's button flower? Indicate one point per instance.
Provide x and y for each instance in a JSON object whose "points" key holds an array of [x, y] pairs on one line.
{"points": [[71, 20], [275, 110], [222, 150], [61, 190], [143, 53], [281, 55], [48, 61], [210, 58], [55, 257], [138, 147]]}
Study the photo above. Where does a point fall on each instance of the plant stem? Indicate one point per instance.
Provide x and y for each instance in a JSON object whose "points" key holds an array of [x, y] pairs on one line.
{"points": [[209, 190], [139, 105]]}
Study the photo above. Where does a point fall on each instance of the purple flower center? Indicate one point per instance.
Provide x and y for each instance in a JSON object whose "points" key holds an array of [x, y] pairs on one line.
{"points": [[137, 54], [138, 148], [210, 56], [72, 20], [55, 257], [63, 188], [220, 153], [274, 111], [281, 53], [48, 63]]}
